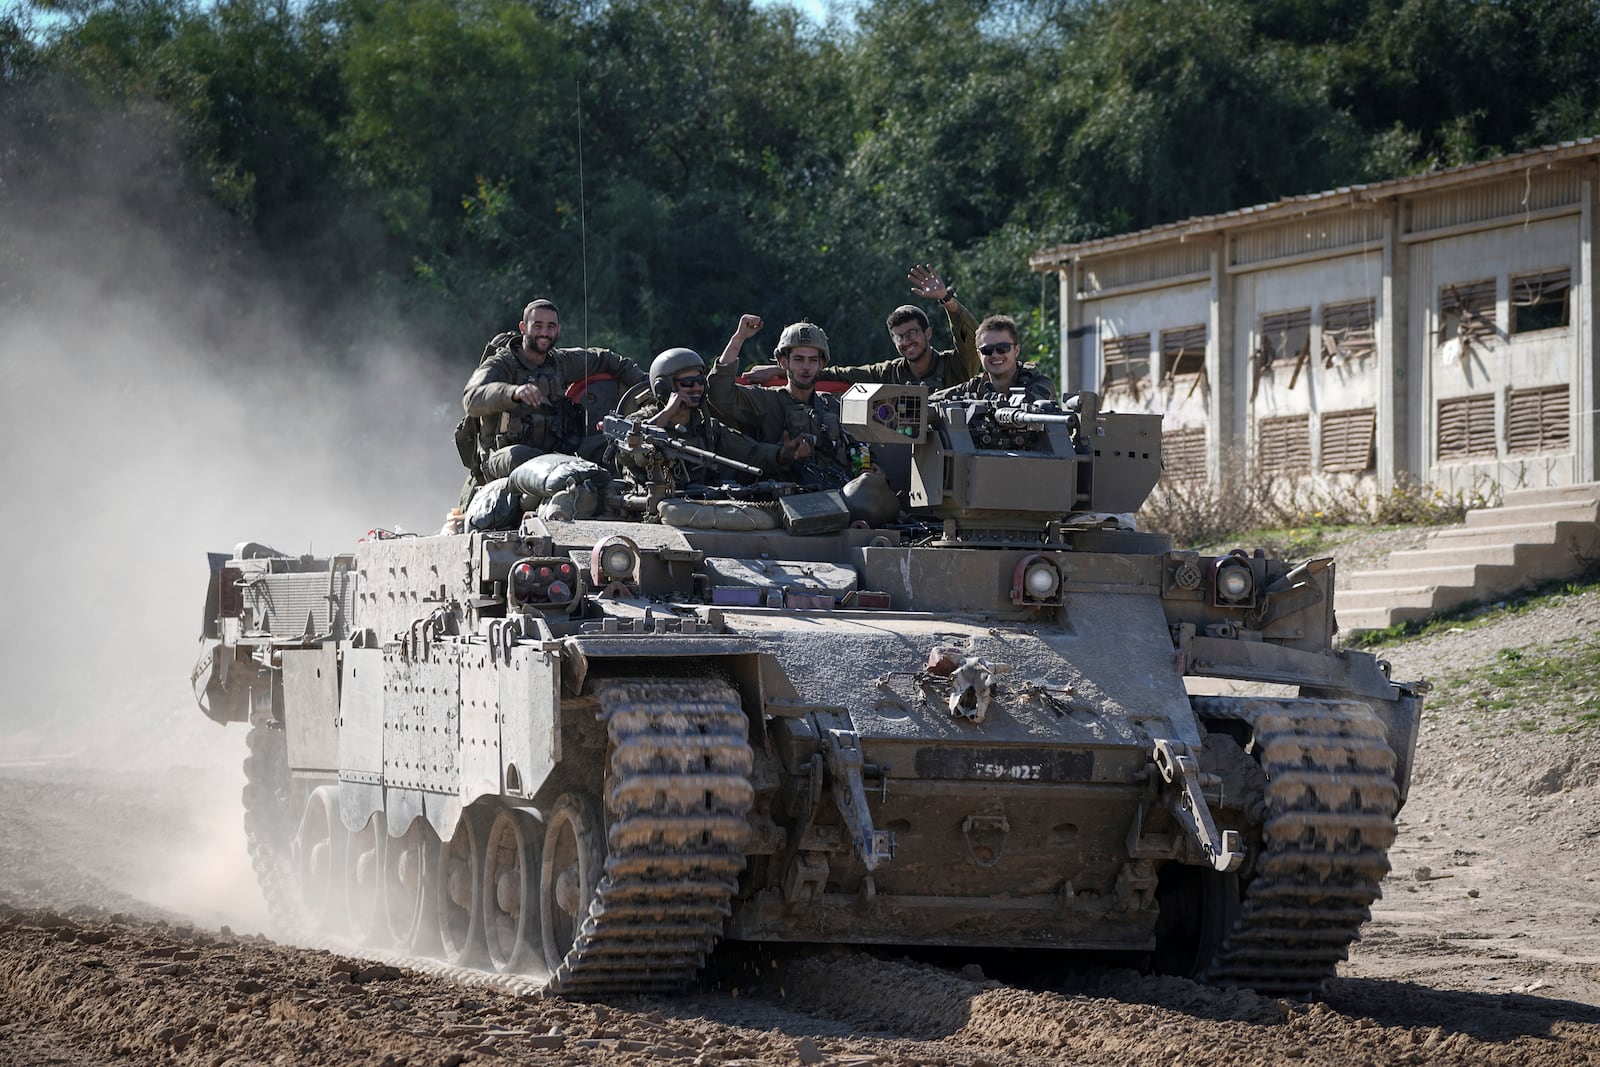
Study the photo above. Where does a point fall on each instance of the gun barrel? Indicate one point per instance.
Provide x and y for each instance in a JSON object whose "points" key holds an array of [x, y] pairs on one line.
{"points": [[1020, 417], [620, 430]]}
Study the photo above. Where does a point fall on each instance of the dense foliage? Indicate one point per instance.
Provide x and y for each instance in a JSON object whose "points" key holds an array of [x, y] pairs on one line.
{"points": [[660, 166]]}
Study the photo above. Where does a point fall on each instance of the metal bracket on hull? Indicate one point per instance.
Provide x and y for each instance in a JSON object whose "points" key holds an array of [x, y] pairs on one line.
{"points": [[842, 750], [1224, 850]]}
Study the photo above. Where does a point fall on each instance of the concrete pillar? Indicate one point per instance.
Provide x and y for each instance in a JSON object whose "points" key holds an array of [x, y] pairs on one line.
{"points": [[1401, 383], [1227, 438], [1072, 330], [1585, 323]]}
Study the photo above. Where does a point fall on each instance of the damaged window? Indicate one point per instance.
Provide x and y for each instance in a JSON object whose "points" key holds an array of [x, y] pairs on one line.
{"points": [[1466, 312], [1284, 342], [1349, 331], [1540, 301], [1183, 351], [1126, 362]]}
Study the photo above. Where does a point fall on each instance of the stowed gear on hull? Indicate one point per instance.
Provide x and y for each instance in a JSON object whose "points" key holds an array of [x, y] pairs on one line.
{"points": [[972, 729]]}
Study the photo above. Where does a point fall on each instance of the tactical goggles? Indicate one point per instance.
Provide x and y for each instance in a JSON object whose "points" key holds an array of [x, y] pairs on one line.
{"points": [[692, 381], [1000, 348]]}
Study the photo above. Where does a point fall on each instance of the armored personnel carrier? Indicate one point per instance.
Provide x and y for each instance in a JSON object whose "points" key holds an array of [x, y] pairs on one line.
{"points": [[588, 750]]}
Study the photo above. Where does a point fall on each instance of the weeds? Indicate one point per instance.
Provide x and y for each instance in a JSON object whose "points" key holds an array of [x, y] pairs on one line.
{"points": [[1197, 512]]}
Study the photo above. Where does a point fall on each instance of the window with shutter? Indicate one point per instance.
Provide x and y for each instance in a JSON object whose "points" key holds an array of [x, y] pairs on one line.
{"points": [[1183, 453], [1125, 362], [1349, 331], [1537, 420], [1466, 310], [1183, 351], [1540, 301], [1283, 443], [1285, 335], [1347, 440], [1466, 427]]}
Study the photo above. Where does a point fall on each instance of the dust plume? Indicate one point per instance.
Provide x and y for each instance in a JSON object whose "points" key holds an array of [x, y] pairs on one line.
{"points": [[165, 396]]}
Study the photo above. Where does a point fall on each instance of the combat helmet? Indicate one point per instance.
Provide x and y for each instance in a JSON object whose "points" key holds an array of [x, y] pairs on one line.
{"points": [[798, 334], [669, 363]]}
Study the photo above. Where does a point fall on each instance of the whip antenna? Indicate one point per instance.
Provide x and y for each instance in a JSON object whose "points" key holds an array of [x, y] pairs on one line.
{"points": [[583, 226]]}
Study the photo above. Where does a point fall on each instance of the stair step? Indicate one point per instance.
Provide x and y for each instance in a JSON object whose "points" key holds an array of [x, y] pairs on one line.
{"points": [[1466, 576], [1354, 620], [1519, 514], [1581, 535], [1552, 494], [1423, 597]]}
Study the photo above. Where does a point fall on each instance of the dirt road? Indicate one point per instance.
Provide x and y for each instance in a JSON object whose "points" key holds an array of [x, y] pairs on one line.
{"points": [[128, 927]]}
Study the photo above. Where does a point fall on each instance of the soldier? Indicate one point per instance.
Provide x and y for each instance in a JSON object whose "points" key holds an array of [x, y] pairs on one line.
{"points": [[999, 347], [918, 363], [518, 394], [786, 413], [678, 380]]}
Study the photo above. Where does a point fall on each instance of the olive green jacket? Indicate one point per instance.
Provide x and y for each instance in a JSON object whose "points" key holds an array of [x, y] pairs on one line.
{"points": [[944, 368]]}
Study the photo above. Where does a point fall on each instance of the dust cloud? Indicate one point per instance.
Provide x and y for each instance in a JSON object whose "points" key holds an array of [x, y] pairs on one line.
{"points": [[165, 395]]}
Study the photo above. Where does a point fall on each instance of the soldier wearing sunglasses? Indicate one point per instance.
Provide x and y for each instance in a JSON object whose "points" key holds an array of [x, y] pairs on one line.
{"points": [[1002, 373], [678, 380]]}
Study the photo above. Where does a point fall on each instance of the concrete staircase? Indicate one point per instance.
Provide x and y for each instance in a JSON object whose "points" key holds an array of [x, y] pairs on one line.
{"points": [[1536, 535]]}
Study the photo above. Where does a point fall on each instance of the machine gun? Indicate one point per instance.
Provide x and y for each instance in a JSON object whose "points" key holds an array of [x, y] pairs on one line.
{"points": [[634, 437], [999, 469]]}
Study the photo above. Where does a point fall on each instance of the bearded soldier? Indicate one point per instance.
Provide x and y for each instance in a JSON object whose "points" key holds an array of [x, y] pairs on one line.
{"points": [[520, 393]]}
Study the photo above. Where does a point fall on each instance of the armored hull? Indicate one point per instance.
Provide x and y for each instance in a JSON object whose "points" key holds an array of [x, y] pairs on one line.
{"points": [[588, 750]]}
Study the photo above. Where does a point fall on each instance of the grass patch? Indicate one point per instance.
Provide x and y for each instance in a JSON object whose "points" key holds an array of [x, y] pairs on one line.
{"points": [[1475, 614], [1561, 680]]}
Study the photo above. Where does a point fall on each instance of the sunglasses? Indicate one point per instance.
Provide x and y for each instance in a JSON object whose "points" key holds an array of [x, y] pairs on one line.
{"points": [[999, 349], [692, 382]]}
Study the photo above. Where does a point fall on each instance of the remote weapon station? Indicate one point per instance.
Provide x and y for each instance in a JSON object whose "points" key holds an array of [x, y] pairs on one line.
{"points": [[587, 750]]}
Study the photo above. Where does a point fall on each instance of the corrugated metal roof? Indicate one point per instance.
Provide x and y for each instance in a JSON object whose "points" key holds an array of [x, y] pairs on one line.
{"points": [[1296, 206]]}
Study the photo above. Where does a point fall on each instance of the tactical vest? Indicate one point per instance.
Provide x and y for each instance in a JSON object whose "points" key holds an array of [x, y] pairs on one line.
{"points": [[538, 427], [820, 418]]}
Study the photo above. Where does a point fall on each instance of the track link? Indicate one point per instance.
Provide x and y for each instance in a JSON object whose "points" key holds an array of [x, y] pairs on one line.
{"points": [[1331, 801], [270, 819], [678, 787]]}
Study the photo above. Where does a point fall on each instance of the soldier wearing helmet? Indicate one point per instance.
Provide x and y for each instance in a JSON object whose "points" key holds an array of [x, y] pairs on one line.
{"points": [[518, 392], [794, 415], [918, 363], [678, 382]]}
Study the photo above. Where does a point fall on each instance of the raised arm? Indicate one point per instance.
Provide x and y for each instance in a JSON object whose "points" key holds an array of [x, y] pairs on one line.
{"points": [[736, 403]]}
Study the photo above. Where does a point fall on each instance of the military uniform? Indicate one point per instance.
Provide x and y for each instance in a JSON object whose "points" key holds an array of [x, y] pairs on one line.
{"points": [[945, 368], [702, 431], [511, 433], [1034, 386], [766, 414]]}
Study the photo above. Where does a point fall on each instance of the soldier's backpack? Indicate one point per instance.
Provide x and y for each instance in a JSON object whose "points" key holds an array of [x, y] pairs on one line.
{"points": [[469, 429]]}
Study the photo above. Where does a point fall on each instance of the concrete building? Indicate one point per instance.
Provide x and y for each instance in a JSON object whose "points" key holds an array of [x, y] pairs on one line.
{"points": [[1442, 327]]}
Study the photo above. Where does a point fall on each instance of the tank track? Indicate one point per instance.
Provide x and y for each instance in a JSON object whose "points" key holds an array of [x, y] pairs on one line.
{"points": [[679, 793], [1331, 801], [269, 831]]}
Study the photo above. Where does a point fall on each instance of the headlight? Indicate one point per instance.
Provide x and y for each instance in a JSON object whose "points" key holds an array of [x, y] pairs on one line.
{"points": [[616, 559], [1041, 580], [1235, 583], [1036, 581]]}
